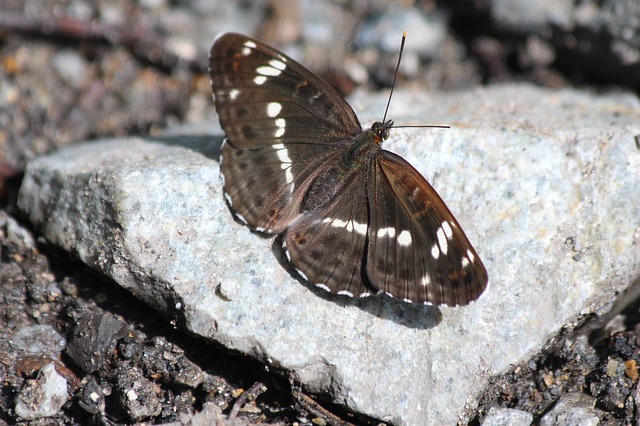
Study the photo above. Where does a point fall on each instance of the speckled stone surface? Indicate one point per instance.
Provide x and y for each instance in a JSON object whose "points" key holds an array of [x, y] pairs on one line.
{"points": [[543, 182]]}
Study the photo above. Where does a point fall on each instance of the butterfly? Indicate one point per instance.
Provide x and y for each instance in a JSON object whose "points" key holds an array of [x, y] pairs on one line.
{"points": [[354, 219]]}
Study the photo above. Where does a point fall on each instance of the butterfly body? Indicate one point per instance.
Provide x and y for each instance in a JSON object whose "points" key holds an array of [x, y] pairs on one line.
{"points": [[355, 219], [366, 145]]}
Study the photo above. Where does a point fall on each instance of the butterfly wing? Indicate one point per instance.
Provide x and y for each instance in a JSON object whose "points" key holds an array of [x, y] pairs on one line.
{"points": [[349, 227], [284, 126], [265, 187], [265, 98], [327, 245], [417, 251]]}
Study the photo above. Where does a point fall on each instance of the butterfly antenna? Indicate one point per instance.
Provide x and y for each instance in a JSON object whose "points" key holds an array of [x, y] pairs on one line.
{"points": [[393, 85], [395, 75]]}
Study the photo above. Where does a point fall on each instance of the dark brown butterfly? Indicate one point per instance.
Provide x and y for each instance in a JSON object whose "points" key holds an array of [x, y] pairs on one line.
{"points": [[356, 219]]}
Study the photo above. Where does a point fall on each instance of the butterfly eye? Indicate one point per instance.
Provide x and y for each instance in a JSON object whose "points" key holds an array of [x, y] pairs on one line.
{"points": [[381, 131]]}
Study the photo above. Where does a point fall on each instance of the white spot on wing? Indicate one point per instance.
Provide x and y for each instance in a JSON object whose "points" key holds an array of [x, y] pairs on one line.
{"points": [[228, 198], [470, 256], [250, 44], [286, 252], [285, 161], [246, 51], [360, 228], [345, 293], [435, 251], [386, 232], [442, 240], [447, 230], [233, 94], [241, 218], [281, 123], [268, 71], [465, 262], [259, 80], [404, 239], [426, 280], [302, 274], [273, 109], [315, 97], [277, 64], [283, 154], [324, 287]]}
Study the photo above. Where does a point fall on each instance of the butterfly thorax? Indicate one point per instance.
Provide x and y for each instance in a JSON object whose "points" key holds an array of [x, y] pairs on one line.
{"points": [[363, 150], [365, 146]]}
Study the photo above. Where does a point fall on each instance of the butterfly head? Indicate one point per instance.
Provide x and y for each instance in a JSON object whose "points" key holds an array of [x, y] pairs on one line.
{"points": [[381, 130]]}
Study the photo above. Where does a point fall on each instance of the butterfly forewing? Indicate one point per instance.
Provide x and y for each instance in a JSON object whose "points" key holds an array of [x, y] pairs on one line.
{"points": [[283, 125], [417, 250], [263, 97]]}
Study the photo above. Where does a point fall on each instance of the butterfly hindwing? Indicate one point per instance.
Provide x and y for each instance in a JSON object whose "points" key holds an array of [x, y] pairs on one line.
{"points": [[417, 250], [327, 245], [265, 186]]}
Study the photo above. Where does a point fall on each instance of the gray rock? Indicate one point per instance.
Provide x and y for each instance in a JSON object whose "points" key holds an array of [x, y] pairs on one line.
{"points": [[71, 67], [534, 176], [598, 39], [42, 397], [507, 417], [41, 339], [16, 233], [612, 35], [574, 409], [620, 19], [210, 414], [532, 15], [426, 35]]}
